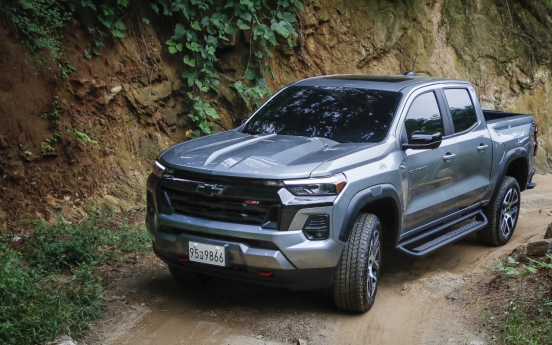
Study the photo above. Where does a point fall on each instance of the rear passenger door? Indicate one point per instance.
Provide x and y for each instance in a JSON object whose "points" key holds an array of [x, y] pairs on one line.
{"points": [[427, 175], [474, 157]]}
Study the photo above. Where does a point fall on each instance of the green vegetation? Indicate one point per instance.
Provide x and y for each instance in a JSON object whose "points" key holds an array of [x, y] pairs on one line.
{"points": [[48, 287], [53, 116], [206, 25], [202, 28], [38, 25], [528, 317], [84, 138]]}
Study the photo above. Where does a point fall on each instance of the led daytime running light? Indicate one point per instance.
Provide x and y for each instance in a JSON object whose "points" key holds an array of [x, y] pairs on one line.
{"points": [[331, 185]]}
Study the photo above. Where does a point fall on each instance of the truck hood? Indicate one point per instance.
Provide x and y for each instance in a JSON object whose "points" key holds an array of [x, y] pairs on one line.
{"points": [[266, 156]]}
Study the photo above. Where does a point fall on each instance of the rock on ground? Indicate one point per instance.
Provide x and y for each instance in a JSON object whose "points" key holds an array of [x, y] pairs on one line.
{"points": [[537, 248]]}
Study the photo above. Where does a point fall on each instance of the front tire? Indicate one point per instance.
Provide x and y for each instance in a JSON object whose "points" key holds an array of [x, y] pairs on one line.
{"points": [[356, 279], [502, 213]]}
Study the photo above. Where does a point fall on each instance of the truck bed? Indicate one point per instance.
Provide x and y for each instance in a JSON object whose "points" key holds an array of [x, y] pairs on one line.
{"points": [[491, 115]]}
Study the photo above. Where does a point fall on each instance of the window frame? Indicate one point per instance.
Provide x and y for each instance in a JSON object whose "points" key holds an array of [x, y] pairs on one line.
{"points": [[440, 105], [447, 107]]}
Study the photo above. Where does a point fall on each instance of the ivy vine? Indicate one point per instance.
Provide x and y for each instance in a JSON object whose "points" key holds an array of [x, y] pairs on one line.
{"points": [[203, 27]]}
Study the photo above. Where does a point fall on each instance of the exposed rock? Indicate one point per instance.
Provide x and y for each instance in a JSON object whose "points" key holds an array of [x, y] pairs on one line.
{"points": [[148, 95], [301, 342], [28, 156], [149, 146], [63, 340], [116, 89], [168, 115], [548, 233], [537, 248]]}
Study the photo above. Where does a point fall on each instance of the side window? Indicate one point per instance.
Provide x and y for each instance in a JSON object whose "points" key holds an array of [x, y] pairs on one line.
{"points": [[424, 116], [461, 109]]}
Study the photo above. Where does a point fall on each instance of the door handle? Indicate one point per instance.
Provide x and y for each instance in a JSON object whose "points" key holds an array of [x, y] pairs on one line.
{"points": [[482, 147], [448, 157]]}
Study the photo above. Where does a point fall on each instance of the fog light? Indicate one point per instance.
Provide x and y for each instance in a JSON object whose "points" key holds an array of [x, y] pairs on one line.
{"points": [[317, 227]]}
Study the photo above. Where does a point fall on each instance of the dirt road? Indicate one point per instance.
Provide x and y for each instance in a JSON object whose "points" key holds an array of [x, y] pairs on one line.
{"points": [[419, 301]]}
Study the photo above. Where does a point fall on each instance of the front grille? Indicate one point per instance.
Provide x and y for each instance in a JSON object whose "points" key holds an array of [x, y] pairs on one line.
{"points": [[237, 201]]}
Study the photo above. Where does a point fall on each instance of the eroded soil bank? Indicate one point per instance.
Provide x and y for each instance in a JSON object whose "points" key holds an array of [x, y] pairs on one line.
{"points": [[132, 99], [435, 300]]}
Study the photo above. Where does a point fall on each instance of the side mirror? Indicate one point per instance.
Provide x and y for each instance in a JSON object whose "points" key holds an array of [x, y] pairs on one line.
{"points": [[422, 141]]}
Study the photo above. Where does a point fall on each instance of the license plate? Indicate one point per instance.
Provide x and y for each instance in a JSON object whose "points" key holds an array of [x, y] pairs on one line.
{"points": [[207, 253]]}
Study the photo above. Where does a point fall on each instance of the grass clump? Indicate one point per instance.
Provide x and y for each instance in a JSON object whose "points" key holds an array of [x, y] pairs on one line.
{"points": [[523, 301], [48, 287]]}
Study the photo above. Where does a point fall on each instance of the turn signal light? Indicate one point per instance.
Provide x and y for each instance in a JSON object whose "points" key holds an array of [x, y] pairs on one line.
{"points": [[266, 273]]}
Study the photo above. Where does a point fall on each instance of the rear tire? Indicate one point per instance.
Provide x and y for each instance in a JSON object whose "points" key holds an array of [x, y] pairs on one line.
{"points": [[502, 214], [186, 278], [356, 279]]}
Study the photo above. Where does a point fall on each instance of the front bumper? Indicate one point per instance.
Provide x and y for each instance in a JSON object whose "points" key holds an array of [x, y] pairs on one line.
{"points": [[294, 279], [295, 262]]}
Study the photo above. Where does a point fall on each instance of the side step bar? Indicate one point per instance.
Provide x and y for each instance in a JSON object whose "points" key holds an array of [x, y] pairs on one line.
{"points": [[452, 236]]}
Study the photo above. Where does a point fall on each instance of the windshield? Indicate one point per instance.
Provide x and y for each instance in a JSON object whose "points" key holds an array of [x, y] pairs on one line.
{"points": [[342, 114]]}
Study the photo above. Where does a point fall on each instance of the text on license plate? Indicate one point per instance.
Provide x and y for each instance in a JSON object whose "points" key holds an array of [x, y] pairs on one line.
{"points": [[207, 253]]}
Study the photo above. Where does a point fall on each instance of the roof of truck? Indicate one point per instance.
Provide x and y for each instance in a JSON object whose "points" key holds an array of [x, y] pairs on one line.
{"points": [[387, 82]]}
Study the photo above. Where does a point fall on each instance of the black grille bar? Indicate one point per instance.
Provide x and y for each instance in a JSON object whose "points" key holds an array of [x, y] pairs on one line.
{"points": [[230, 200]]}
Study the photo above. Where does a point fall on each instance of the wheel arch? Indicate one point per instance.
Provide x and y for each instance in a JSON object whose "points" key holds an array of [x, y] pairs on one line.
{"points": [[382, 201], [515, 163]]}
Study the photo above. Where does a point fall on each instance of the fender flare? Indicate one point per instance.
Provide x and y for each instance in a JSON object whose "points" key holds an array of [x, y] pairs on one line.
{"points": [[509, 157], [365, 197]]}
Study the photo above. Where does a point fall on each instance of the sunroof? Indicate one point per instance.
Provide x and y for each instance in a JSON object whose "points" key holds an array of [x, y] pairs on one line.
{"points": [[365, 77]]}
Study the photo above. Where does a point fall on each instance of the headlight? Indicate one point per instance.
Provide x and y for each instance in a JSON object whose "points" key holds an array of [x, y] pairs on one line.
{"points": [[158, 169], [317, 186]]}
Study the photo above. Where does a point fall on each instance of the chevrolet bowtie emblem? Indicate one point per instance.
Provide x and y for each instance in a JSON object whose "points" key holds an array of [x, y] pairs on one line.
{"points": [[210, 189]]}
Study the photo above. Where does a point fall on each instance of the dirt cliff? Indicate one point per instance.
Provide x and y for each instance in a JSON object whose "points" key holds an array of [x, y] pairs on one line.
{"points": [[131, 100]]}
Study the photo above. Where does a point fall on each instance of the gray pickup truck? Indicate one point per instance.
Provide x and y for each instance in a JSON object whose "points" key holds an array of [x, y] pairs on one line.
{"points": [[332, 170]]}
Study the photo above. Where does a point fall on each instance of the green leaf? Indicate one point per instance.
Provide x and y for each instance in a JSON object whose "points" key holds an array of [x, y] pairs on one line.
{"points": [[117, 33], [193, 46], [119, 25], [212, 112], [246, 16], [146, 20], [229, 4], [179, 31], [282, 31], [172, 49], [189, 61], [87, 55], [242, 25], [250, 74], [530, 269], [88, 3], [230, 30], [512, 260], [214, 83], [195, 25], [170, 42], [155, 8], [179, 46]]}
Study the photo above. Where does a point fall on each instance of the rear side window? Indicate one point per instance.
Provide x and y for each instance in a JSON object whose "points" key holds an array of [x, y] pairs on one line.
{"points": [[461, 109], [424, 116]]}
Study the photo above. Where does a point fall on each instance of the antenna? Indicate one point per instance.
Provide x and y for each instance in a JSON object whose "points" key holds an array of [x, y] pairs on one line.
{"points": [[411, 73]]}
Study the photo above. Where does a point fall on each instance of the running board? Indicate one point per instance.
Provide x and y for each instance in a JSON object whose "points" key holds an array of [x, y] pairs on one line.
{"points": [[449, 237]]}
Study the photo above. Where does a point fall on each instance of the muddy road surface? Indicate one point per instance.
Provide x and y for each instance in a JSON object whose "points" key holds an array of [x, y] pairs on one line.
{"points": [[419, 301]]}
